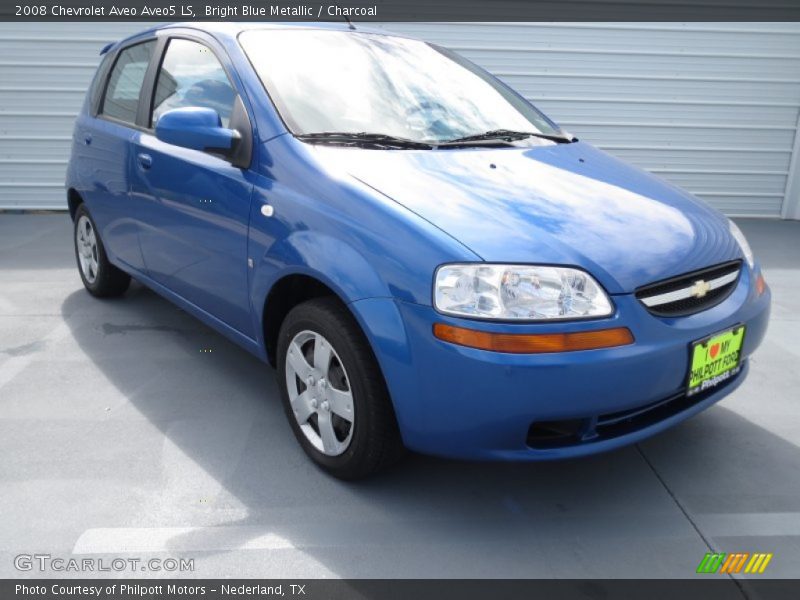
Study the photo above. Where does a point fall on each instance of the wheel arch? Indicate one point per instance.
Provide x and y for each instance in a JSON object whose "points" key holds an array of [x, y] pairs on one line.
{"points": [[74, 200], [286, 293], [309, 265]]}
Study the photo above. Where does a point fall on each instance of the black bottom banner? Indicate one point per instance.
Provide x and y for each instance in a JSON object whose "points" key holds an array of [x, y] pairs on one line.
{"points": [[406, 589]]}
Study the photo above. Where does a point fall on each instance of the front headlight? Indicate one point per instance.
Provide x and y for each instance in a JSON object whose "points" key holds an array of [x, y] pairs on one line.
{"points": [[742, 241], [518, 292]]}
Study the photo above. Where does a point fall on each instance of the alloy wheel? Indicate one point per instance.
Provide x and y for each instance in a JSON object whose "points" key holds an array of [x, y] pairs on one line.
{"points": [[319, 393], [86, 244]]}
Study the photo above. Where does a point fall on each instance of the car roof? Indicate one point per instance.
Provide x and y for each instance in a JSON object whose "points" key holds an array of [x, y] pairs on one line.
{"points": [[223, 29]]}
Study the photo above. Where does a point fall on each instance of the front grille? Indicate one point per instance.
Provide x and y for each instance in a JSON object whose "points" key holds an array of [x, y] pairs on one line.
{"points": [[692, 292]]}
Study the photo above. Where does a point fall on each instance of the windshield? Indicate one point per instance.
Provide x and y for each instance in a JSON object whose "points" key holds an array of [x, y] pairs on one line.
{"points": [[333, 81]]}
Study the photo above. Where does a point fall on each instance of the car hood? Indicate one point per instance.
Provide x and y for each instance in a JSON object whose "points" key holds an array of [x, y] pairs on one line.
{"points": [[551, 203]]}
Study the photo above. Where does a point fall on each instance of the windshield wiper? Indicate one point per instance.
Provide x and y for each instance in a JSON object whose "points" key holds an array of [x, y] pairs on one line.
{"points": [[382, 140], [504, 135], [362, 139]]}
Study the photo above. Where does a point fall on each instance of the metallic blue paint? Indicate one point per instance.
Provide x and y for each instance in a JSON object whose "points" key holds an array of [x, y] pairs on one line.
{"points": [[490, 399], [567, 204], [197, 128], [373, 225]]}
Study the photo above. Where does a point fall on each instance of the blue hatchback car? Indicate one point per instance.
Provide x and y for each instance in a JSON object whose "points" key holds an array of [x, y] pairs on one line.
{"points": [[428, 261]]}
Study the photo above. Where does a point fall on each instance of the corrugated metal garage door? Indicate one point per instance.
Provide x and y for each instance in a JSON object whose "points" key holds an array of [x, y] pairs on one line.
{"points": [[45, 69], [711, 107]]}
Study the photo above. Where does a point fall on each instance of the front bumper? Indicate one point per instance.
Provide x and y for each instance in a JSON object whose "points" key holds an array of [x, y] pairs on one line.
{"points": [[461, 402]]}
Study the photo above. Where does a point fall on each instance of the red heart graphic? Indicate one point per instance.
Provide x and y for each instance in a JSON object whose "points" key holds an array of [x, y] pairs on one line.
{"points": [[714, 350]]}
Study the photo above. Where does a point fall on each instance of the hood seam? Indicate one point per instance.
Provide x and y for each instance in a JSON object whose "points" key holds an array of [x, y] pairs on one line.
{"points": [[431, 223]]}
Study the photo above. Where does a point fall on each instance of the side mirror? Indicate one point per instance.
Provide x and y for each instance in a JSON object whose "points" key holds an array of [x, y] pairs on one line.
{"points": [[196, 128]]}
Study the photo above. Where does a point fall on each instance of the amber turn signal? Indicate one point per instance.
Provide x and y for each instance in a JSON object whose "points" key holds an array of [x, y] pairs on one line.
{"points": [[536, 343], [761, 285]]}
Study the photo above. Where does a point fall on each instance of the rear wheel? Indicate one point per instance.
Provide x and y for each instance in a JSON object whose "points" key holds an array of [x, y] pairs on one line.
{"points": [[334, 393], [99, 276]]}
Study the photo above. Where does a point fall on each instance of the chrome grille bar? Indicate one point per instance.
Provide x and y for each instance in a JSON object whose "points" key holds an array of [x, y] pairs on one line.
{"points": [[689, 291]]}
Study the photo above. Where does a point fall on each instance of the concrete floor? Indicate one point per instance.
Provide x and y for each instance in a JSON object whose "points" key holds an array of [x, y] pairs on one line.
{"points": [[120, 438]]}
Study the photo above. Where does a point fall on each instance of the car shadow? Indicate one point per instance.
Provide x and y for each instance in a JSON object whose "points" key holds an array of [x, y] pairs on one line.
{"points": [[230, 464]]}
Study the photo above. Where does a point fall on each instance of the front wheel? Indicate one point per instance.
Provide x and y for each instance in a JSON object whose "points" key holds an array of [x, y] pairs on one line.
{"points": [[334, 393], [99, 276]]}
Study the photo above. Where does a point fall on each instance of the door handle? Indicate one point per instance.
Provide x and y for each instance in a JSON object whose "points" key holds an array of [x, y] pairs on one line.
{"points": [[145, 160], [87, 138]]}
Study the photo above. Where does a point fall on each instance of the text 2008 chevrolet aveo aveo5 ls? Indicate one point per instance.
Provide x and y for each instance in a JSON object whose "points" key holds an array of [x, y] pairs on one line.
{"points": [[429, 261]]}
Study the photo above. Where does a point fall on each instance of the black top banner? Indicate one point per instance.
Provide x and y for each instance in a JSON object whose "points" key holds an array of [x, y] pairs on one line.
{"points": [[400, 10]]}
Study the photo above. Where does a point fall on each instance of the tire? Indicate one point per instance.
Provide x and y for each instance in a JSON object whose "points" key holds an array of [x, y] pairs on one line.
{"points": [[99, 276], [370, 441]]}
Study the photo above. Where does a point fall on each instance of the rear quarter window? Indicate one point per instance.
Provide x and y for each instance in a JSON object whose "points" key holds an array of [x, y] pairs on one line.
{"points": [[97, 84]]}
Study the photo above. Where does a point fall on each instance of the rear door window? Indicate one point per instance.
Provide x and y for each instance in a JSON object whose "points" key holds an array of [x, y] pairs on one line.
{"points": [[191, 75], [121, 101]]}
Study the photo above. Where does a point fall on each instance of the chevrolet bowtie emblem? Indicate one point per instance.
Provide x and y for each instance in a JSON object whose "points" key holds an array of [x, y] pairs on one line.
{"points": [[700, 289]]}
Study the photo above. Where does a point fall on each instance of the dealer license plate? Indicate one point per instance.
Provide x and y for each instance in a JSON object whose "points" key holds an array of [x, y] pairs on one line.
{"points": [[715, 360]]}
